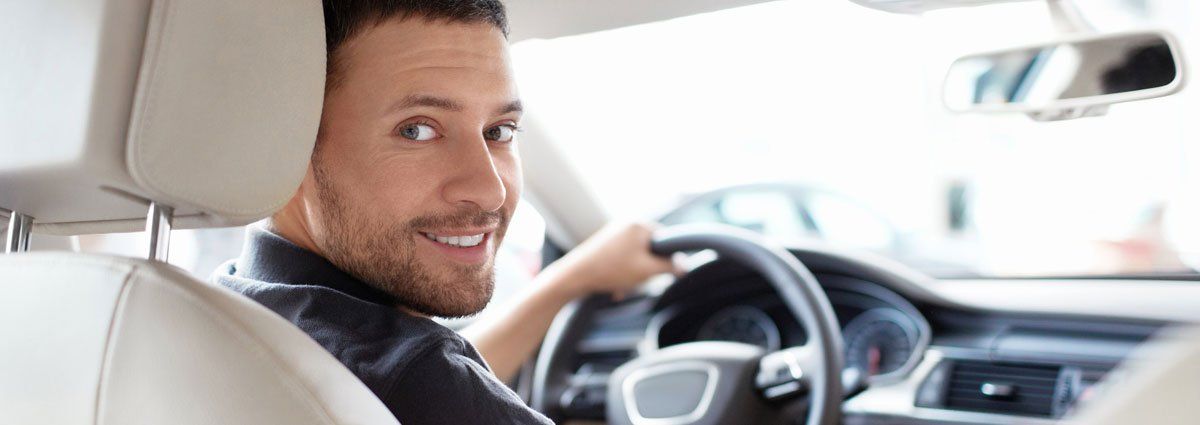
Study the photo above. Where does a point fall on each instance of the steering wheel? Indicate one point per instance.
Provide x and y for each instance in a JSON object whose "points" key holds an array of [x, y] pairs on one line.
{"points": [[732, 383]]}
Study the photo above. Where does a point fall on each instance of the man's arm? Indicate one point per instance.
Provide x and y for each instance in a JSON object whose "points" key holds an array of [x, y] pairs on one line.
{"points": [[616, 259]]}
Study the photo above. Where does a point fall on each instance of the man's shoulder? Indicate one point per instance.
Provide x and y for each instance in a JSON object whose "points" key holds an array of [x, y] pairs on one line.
{"points": [[423, 371], [374, 341], [449, 383]]}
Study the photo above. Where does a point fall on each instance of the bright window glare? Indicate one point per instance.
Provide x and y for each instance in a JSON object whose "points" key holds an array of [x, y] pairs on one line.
{"points": [[691, 104], [831, 95], [845, 223]]}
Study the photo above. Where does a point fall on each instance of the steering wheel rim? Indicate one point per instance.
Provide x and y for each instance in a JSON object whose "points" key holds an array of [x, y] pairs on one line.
{"points": [[800, 292]]}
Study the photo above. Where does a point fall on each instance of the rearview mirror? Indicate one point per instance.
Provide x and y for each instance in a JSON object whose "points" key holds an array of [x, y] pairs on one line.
{"points": [[1068, 78]]}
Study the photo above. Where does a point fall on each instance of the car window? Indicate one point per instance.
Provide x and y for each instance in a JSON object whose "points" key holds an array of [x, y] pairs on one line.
{"points": [[772, 212], [844, 222], [786, 92]]}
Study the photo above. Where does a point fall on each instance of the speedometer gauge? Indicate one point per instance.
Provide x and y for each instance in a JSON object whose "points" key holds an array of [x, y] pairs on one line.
{"points": [[741, 324], [879, 341]]}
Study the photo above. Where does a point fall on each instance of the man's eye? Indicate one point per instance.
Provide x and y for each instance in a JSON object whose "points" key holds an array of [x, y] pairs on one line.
{"points": [[500, 133], [418, 132]]}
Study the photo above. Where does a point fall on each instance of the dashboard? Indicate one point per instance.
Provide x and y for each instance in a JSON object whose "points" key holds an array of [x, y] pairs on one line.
{"points": [[921, 359], [883, 334]]}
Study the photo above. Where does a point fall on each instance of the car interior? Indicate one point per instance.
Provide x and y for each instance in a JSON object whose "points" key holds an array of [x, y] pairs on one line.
{"points": [[806, 299]]}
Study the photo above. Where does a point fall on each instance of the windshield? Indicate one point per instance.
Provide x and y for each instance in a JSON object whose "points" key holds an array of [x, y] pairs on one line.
{"points": [[823, 119]]}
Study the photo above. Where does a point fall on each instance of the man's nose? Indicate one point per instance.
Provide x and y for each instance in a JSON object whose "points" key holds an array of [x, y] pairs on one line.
{"points": [[474, 177]]}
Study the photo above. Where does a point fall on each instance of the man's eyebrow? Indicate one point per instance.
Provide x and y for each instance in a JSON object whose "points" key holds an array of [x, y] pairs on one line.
{"points": [[416, 100], [514, 106], [426, 100]]}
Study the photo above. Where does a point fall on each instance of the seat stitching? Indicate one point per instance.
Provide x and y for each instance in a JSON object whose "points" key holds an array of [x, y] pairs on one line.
{"points": [[105, 360]]}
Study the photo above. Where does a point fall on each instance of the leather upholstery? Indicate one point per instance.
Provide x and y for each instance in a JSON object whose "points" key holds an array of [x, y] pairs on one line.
{"points": [[1156, 385], [105, 340], [208, 106]]}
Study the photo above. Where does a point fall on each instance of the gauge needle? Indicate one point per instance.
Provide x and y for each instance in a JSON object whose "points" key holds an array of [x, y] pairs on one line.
{"points": [[873, 360]]}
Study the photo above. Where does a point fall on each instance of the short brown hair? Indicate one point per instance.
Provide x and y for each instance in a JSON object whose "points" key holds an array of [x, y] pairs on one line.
{"points": [[345, 19]]}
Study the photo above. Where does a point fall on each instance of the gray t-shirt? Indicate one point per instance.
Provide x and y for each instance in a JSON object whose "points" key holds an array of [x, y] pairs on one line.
{"points": [[424, 372]]}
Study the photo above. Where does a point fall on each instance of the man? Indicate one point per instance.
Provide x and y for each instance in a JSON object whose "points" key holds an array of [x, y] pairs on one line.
{"points": [[409, 192]]}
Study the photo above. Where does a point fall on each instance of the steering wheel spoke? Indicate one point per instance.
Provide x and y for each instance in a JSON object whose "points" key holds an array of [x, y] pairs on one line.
{"points": [[781, 375]]}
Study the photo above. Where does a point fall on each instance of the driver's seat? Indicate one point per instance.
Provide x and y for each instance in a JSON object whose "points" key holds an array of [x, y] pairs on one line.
{"points": [[120, 115]]}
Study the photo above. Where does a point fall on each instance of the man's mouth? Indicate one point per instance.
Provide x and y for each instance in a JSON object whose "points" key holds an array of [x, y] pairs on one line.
{"points": [[463, 241]]}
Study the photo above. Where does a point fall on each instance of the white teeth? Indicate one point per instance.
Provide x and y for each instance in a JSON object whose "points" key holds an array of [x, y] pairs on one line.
{"points": [[459, 241]]}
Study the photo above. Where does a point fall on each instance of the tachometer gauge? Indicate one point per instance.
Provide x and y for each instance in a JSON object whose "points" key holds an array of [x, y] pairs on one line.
{"points": [[741, 324], [879, 341]]}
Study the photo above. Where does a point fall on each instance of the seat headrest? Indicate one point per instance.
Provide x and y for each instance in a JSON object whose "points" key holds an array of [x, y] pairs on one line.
{"points": [[207, 106]]}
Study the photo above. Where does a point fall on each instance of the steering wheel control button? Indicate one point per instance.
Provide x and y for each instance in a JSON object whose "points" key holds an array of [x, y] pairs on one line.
{"points": [[584, 402], [779, 376], [777, 368], [783, 391]]}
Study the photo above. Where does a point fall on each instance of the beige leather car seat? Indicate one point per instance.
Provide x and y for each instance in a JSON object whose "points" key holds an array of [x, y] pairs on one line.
{"points": [[1156, 385], [123, 115]]}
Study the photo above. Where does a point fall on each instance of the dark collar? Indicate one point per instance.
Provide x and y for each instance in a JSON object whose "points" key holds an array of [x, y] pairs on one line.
{"points": [[268, 257]]}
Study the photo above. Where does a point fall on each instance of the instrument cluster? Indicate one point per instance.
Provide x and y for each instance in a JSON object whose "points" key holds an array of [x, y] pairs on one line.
{"points": [[883, 334]]}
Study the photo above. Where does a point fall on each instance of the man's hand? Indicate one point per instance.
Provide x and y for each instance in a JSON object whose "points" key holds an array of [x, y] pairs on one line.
{"points": [[615, 260]]}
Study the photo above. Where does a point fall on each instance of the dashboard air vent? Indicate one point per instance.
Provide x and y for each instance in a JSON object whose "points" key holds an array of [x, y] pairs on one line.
{"points": [[1007, 388]]}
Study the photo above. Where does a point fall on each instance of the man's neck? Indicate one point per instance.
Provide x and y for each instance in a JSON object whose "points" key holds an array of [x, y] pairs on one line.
{"points": [[412, 312], [291, 223]]}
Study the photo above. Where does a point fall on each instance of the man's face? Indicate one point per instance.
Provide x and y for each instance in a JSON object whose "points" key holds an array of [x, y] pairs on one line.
{"points": [[416, 173]]}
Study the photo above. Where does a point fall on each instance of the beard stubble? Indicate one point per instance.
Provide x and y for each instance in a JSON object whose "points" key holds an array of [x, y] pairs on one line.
{"points": [[383, 254]]}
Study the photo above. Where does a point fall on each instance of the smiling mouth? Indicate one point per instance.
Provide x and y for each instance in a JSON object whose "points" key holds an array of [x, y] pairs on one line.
{"points": [[465, 241]]}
